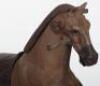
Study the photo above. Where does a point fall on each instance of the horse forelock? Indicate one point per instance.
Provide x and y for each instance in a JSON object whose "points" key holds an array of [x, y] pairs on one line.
{"points": [[34, 38]]}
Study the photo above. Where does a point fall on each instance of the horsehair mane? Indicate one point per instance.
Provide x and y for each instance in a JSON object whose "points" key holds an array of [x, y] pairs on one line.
{"points": [[34, 38]]}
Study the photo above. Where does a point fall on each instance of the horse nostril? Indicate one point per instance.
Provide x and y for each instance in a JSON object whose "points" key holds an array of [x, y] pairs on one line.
{"points": [[96, 55]]}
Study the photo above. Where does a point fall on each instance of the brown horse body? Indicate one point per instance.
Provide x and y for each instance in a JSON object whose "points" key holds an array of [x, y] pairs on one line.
{"points": [[43, 67], [45, 59]]}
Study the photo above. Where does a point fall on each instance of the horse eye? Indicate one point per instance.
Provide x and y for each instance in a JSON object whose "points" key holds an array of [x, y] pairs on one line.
{"points": [[75, 31]]}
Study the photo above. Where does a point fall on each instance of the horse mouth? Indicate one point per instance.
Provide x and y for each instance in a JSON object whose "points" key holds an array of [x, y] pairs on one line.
{"points": [[89, 61], [88, 56]]}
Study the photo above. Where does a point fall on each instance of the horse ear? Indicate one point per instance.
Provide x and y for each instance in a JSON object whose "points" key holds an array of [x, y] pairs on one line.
{"points": [[83, 6], [81, 9]]}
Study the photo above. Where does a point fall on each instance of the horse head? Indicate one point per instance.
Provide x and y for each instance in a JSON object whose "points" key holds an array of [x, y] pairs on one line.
{"points": [[75, 26]]}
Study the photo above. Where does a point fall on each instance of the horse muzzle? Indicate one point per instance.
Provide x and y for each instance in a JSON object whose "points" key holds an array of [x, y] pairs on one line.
{"points": [[88, 56]]}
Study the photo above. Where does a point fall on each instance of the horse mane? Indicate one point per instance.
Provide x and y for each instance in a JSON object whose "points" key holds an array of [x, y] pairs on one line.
{"points": [[34, 38]]}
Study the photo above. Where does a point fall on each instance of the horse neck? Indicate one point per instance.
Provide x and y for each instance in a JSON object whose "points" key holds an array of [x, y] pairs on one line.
{"points": [[58, 55]]}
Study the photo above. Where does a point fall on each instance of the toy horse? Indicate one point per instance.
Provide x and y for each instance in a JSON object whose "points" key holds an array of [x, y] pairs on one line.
{"points": [[45, 60]]}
